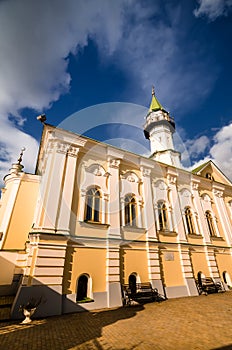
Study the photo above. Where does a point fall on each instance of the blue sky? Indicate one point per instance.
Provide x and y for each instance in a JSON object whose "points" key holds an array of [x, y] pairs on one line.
{"points": [[61, 57]]}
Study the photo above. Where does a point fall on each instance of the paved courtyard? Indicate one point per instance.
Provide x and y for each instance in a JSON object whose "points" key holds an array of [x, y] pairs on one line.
{"points": [[203, 322]]}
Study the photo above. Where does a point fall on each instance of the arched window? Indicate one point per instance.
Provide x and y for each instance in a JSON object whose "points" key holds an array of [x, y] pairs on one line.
{"points": [[162, 216], [130, 210], [82, 288], [132, 282], [189, 221], [210, 223], [93, 205]]}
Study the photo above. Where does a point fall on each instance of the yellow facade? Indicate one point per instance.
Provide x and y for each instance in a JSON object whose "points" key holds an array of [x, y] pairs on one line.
{"points": [[84, 261], [200, 263], [171, 264], [22, 216], [135, 261]]}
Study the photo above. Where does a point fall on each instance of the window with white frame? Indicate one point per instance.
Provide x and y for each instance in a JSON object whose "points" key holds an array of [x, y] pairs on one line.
{"points": [[162, 216], [210, 223], [189, 222], [130, 210], [93, 205]]}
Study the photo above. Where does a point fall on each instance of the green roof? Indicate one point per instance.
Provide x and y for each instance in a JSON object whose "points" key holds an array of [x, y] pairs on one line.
{"points": [[155, 104], [196, 170]]}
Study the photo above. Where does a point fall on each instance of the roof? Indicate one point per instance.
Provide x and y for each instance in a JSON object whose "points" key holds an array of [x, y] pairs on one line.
{"points": [[155, 104], [222, 178], [200, 167]]}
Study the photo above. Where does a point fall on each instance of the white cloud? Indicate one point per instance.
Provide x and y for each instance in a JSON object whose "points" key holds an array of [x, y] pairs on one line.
{"points": [[35, 39], [213, 8], [220, 152], [198, 146]]}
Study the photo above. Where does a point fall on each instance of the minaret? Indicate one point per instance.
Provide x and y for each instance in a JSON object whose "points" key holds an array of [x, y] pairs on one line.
{"points": [[159, 129]]}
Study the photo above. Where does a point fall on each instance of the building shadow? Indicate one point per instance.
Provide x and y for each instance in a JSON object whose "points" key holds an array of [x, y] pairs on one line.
{"points": [[64, 332]]}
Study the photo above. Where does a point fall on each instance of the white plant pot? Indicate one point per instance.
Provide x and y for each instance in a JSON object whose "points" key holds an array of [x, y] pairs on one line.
{"points": [[28, 314]]}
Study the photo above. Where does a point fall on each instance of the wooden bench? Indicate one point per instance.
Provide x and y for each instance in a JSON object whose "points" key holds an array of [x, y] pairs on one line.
{"points": [[207, 286], [141, 293]]}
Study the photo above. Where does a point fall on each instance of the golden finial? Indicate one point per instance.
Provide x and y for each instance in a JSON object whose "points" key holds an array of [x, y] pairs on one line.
{"points": [[153, 90], [21, 156]]}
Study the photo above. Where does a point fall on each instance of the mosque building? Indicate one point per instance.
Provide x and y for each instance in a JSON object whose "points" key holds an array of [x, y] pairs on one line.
{"points": [[94, 217]]}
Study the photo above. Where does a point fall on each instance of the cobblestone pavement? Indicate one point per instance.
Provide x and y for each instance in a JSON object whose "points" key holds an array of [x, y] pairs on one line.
{"points": [[202, 322]]}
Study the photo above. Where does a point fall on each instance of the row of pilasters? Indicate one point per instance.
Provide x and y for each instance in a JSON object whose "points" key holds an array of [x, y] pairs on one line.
{"points": [[223, 215], [56, 191], [212, 263], [43, 276]]}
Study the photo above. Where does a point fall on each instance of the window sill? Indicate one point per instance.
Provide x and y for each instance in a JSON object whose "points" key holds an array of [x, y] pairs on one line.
{"points": [[128, 228], [94, 223], [168, 233], [215, 238], [194, 235]]}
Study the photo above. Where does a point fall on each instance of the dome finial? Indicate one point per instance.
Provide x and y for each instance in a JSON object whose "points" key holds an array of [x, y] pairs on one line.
{"points": [[21, 156], [18, 167], [153, 90]]}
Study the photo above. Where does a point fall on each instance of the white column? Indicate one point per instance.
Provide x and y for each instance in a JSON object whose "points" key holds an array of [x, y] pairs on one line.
{"points": [[157, 218], [154, 268], [42, 195], [122, 211], [114, 203], [54, 186], [202, 220], [149, 218], [187, 270], [212, 264], [154, 263], [174, 199], [196, 222], [105, 200], [184, 220], [113, 275], [223, 216], [216, 226], [170, 218], [63, 225]]}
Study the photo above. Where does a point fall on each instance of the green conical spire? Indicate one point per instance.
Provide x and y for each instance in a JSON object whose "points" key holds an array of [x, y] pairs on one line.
{"points": [[155, 105]]}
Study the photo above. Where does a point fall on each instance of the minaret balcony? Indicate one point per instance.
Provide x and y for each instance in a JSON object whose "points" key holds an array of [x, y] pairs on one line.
{"points": [[157, 117]]}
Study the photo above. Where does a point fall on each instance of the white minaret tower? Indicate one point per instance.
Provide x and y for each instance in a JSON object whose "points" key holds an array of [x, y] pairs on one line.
{"points": [[159, 129]]}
